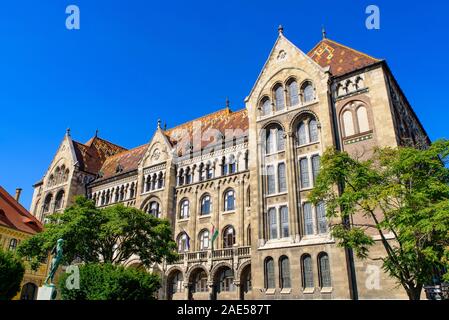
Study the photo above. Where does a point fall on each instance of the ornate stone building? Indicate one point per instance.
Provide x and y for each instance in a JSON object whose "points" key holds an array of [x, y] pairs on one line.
{"points": [[235, 185]]}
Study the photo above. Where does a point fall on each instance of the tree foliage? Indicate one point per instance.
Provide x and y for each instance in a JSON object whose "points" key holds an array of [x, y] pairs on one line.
{"points": [[12, 270], [402, 192], [105, 281], [110, 235]]}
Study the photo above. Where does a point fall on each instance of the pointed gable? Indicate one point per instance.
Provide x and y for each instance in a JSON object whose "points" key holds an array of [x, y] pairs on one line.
{"points": [[94, 153], [339, 58]]}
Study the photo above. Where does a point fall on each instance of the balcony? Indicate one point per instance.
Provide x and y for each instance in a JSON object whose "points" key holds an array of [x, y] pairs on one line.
{"points": [[214, 255]]}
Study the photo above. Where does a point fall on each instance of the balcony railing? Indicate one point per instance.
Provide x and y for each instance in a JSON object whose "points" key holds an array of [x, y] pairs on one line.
{"points": [[218, 254]]}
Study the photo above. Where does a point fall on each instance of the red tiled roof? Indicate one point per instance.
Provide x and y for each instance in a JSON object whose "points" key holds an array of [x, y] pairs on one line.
{"points": [[14, 216], [340, 58], [221, 120], [94, 153]]}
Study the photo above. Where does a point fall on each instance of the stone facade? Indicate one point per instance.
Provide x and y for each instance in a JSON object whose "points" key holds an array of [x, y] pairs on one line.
{"points": [[247, 175]]}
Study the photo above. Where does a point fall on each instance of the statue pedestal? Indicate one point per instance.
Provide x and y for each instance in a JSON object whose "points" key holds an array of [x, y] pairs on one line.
{"points": [[46, 292]]}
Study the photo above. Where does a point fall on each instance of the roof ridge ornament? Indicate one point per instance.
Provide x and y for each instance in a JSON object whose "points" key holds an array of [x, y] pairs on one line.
{"points": [[68, 132], [281, 29], [323, 32]]}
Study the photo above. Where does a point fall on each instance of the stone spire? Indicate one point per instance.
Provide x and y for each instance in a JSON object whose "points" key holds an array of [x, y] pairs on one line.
{"points": [[281, 29]]}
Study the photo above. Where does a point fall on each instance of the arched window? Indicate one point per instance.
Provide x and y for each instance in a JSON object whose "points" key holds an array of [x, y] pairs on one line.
{"points": [[284, 222], [308, 219], [29, 292], [66, 174], [47, 203], [293, 93], [232, 164], [153, 208], [13, 244], [206, 205], [269, 273], [301, 134], [209, 171], [228, 237], [248, 235], [313, 131], [362, 118], [160, 180], [266, 106], [272, 224], [148, 183], [224, 166], [122, 193], [200, 281], [321, 217], [229, 200], [307, 271], [308, 92], [183, 242], [51, 180], [181, 177], [184, 211], [204, 239], [279, 96], [315, 166], [59, 201], [348, 123], [132, 191], [176, 283], [304, 173], [226, 280], [324, 270], [57, 175], [274, 139], [282, 181], [189, 175], [284, 270]]}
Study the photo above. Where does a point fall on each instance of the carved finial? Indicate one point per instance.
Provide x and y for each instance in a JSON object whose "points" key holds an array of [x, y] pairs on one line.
{"points": [[281, 29], [68, 132], [227, 102], [158, 123], [165, 126], [323, 31], [96, 133]]}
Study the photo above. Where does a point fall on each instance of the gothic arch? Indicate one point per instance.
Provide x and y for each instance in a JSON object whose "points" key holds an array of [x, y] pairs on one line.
{"points": [[300, 114], [219, 266], [192, 270], [240, 269]]}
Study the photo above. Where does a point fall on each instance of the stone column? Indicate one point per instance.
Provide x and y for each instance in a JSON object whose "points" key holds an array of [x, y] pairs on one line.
{"points": [[216, 212], [241, 211], [293, 200]]}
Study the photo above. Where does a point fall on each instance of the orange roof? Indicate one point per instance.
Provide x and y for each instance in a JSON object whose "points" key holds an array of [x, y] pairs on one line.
{"points": [[94, 152], [14, 216], [221, 120], [340, 58]]}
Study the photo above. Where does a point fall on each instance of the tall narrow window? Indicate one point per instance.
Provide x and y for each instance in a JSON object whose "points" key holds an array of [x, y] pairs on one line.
{"points": [[281, 178], [204, 239], [229, 200], [348, 123], [269, 273], [224, 167], [313, 131], [183, 242], [271, 184], [293, 93], [185, 209], [266, 106], [304, 167], [301, 134], [12, 244], [228, 237], [324, 270], [284, 269], [308, 219], [279, 95], [321, 217], [307, 272], [153, 208], [273, 224], [308, 92], [269, 141], [280, 139], [206, 205], [232, 165], [362, 118], [284, 221], [315, 166]]}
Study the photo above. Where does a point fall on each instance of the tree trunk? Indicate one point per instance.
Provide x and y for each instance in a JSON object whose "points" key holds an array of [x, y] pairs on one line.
{"points": [[414, 293]]}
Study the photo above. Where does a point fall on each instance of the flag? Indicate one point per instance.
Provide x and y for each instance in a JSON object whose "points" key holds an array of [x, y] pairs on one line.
{"points": [[214, 235]]}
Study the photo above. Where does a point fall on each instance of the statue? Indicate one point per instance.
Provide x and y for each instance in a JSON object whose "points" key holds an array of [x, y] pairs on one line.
{"points": [[55, 262]]}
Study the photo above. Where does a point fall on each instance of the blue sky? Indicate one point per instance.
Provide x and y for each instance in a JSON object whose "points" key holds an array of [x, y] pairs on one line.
{"points": [[135, 61]]}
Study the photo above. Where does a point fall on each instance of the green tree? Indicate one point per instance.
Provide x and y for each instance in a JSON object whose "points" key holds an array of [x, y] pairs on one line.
{"points": [[105, 281], [110, 235], [12, 270], [401, 191]]}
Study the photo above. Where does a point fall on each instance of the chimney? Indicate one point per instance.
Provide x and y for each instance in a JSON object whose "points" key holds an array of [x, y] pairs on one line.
{"points": [[18, 192]]}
